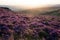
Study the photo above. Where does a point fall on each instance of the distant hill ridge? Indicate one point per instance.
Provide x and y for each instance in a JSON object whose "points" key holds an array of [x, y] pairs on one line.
{"points": [[6, 8], [53, 12]]}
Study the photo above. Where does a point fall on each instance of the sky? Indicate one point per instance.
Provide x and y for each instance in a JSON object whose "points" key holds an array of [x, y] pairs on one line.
{"points": [[27, 4]]}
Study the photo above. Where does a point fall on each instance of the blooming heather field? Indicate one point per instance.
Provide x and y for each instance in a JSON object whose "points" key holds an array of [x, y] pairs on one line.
{"points": [[16, 26]]}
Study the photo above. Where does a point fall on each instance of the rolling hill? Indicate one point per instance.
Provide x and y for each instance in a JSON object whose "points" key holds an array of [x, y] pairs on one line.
{"points": [[52, 10]]}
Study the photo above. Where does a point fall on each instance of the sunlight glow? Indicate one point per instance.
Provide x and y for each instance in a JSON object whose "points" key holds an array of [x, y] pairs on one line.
{"points": [[29, 3]]}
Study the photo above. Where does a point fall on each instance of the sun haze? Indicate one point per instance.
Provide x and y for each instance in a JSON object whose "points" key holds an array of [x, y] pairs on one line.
{"points": [[27, 4]]}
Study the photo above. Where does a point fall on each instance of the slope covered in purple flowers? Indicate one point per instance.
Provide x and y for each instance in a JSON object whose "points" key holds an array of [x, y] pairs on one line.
{"points": [[27, 27]]}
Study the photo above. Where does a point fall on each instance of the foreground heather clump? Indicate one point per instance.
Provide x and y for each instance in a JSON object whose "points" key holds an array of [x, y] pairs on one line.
{"points": [[15, 26]]}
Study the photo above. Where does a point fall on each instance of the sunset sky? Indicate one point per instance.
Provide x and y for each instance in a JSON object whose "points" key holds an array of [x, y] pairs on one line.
{"points": [[27, 4]]}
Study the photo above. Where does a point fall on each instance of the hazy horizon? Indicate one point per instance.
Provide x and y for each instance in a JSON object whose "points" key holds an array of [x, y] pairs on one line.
{"points": [[29, 4]]}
